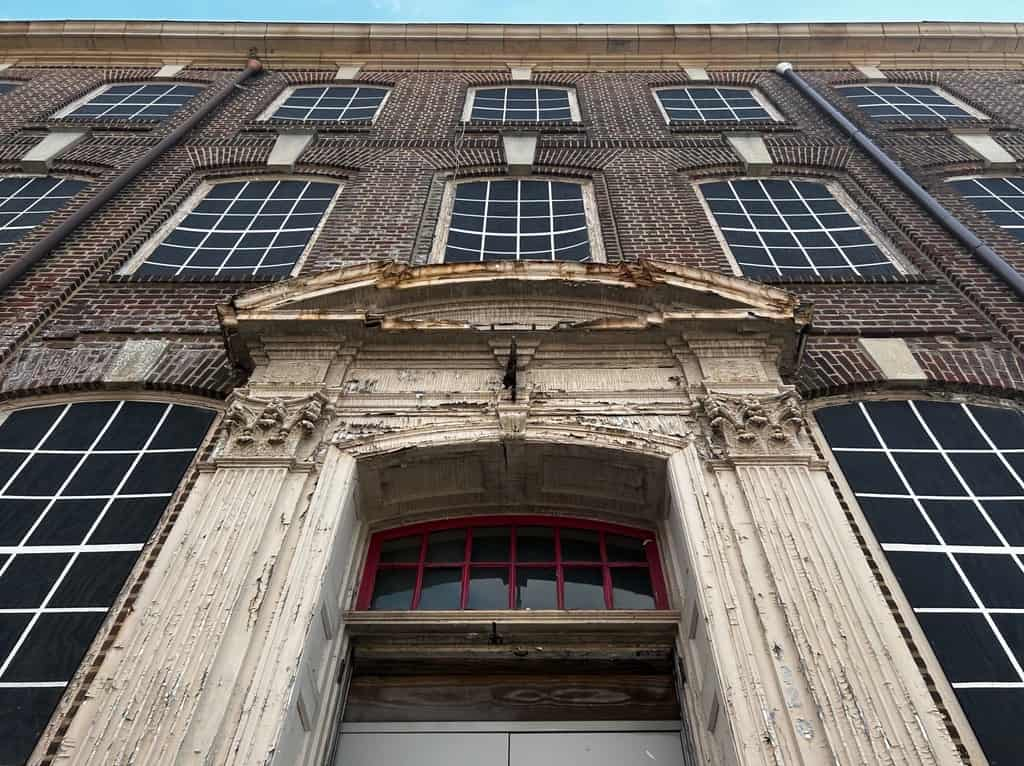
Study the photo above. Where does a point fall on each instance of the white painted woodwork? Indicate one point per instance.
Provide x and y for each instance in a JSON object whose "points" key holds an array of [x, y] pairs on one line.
{"points": [[806, 653], [179, 659]]}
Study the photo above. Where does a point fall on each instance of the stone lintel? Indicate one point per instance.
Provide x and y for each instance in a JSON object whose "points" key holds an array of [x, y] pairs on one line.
{"points": [[168, 71], [871, 72], [752, 151], [520, 152], [39, 158], [696, 74], [347, 71], [893, 357], [287, 148], [985, 145], [522, 73]]}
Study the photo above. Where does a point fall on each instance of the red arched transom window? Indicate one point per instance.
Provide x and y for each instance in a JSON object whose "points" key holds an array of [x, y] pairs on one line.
{"points": [[513, 562]]}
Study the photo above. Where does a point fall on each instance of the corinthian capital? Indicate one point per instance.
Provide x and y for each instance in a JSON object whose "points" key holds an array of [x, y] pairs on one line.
{"points": [[272, 425], [751, 424]]}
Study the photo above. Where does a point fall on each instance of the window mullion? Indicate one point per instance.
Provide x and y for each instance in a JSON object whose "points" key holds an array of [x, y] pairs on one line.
{"points": [[418, 588]]}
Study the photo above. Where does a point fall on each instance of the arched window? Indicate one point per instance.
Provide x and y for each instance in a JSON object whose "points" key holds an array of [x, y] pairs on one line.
{"points": [[251, 227], [328, 103], [891, 102], [513, 562], [131, 101], [82, 486], [1001, 199], [529, 219], [521, 103], [776, 227], [27, 201], [941, 487], [714, 104]]}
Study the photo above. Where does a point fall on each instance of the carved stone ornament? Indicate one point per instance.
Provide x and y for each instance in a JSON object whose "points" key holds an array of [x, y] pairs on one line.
{"points": [[512, 420], [755, 424], [251, 422]]}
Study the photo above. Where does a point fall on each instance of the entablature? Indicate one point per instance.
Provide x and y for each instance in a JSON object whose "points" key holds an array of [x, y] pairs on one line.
{"points": [[565, 316]]}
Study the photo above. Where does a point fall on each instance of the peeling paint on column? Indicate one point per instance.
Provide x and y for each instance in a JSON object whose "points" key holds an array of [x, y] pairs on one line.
{"points": [[625, 410]]}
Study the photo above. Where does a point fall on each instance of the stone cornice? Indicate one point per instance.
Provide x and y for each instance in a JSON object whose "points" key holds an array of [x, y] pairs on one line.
{"points": [[362, 302], [466, 46]]}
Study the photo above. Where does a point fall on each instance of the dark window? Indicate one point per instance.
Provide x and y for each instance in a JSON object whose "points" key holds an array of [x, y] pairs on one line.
{"points": [[27, 201], [711, 105], [333, 103], [904, 102], [529, 220], [798, 228], [513, 563], [244, 228], [523, 104], [7, 87], [82, 487], [155, 101], [945, 499], [1001, 199]]}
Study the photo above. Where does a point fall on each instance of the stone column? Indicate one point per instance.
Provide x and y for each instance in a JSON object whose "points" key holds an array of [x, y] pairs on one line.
{"points": [[206, 669], [784, 624]]}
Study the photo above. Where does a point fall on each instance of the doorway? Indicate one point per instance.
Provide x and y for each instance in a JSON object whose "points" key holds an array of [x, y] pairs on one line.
{"points": [[513, 712]]}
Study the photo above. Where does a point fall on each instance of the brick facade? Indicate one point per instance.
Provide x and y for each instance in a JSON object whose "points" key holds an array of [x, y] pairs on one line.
{"points": [[76, 322], [64, 318]]}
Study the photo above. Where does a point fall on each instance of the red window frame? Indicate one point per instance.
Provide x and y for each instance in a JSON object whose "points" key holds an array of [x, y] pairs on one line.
{"points": [[424, 530]]}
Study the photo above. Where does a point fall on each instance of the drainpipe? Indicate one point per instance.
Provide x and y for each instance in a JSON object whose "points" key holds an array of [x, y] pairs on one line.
{"points": [[983, 252], [41, 248]]}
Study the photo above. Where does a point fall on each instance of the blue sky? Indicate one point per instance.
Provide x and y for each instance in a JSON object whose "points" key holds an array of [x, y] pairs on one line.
{"points": [[526, 11]]}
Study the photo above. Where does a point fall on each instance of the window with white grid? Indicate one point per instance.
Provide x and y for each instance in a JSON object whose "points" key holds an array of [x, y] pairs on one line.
{"points": [[941, 486], [145, 101], [27, 201], [798, 228], [907, 102], [1001, 199], [82, 486], [518, 220], [522, 104], [713, 105], [243, 229], [331, 103]]}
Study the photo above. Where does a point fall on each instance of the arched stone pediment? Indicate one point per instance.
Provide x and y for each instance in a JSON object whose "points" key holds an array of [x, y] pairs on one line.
{"points": [[464, 293], [509, 296]]}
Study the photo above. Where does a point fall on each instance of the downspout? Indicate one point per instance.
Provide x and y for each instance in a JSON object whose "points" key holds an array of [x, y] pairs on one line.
{"points": [[43, 247], [982, 251]]}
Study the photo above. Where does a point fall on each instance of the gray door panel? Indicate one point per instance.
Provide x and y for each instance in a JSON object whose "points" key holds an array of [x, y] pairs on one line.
{"points": [[442, 749], [648, 748]]}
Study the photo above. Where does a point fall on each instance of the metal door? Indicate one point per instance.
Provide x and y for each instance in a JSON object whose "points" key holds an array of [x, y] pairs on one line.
{"points": [[648, 748], [423, 749], [520, 743]]}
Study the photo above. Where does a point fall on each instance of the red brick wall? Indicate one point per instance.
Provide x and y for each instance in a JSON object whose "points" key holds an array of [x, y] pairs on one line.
{"points": [[62, 324]]}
